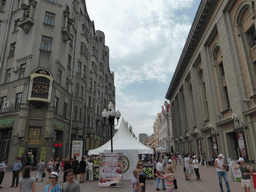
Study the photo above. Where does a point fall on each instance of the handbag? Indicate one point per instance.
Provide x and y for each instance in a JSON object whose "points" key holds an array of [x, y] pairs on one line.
{"points": [[43, 174]]}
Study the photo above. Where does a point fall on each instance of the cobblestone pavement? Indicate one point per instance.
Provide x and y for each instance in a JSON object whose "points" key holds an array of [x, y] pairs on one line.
{"points": [[209, 183]]}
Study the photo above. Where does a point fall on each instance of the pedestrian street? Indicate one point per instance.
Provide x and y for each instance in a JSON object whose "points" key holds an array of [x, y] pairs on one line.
{"points": [[209, 183]]}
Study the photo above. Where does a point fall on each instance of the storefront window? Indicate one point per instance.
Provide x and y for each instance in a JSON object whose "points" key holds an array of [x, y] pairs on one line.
{"points": [[5, 140]]}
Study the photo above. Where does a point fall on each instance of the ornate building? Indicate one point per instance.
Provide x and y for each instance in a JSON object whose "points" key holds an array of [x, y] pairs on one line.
{"points": [[212, 92], [163, 129], [55, 78]]}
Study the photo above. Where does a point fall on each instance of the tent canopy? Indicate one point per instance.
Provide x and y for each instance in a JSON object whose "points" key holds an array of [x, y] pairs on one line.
{"points": [[123, 140]]}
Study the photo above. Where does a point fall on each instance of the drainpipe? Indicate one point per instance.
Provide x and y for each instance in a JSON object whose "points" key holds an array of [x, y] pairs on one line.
{"points": [[73, 87], [6, 35]]}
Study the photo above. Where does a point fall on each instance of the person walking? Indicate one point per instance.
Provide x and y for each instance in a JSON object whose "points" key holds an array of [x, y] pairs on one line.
{"points": [[2, 170], [159, 170], [142, 177], [74, 167], [180, 159], [50, 166], [66, 166], [53, 186], [90, 169], [174, 160], [169, 179], [71, 185], [246, 172], [221, 171], [27, 183], [41, 169], [16, 169], [195, 164], [187, 165], [82, 168], [57, 165]]}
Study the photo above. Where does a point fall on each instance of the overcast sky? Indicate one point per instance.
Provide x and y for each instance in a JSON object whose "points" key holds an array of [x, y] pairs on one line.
{"points": [[145, 38]]}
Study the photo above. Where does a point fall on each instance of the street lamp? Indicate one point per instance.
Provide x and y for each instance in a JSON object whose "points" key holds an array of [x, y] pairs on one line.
{"points": [[111, 115]]}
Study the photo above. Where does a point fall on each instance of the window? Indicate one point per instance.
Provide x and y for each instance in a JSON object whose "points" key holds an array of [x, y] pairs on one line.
{"points": [[18, 101], [222, 72], [12, 49], [46, 43], [2, 8], [226, 96], [56, 103], [65, 108], [16, 28], [106, 78], [101, 39], [83, 29], [49, 18], [106, 53], [67, 84], [84, 69], [98, 94], [94, 85], [22, 70], [77, 89], [89, 102], [252, 36], [75, 113], [79, 66], [69, 61], [90, 84], [59, 77], [101, 67], [82, 91], [3, 99], [8, 76], [82, 48], [80, 115], [93, 50], [88, 121], [53, 1], [98, 110]]}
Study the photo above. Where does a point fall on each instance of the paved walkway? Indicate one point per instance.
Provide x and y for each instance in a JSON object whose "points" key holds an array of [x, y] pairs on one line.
{"points": [[209, 183]]}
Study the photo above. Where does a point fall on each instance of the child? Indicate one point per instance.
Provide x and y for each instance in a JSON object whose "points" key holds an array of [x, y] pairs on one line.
{"points": [[135, 181], [169, 179]]}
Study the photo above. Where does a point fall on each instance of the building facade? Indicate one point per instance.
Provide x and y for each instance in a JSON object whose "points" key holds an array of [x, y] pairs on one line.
{"points": [[212, 92], [55, 79], [142, 136], [163, 129]]}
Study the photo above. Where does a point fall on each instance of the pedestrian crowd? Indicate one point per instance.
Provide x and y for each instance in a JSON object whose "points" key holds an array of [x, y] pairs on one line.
{"points": [[71, 168]]}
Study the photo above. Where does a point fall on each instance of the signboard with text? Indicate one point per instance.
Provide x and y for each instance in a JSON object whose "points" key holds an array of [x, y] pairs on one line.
{"points": [[77, 149], [111, 168]]}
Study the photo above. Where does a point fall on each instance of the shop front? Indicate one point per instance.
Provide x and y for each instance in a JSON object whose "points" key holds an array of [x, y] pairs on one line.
{"points": [[6, 127]]}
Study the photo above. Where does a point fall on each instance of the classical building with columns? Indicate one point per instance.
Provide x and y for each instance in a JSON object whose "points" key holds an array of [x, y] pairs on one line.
{"points": [[213, 90], [55, 79]]}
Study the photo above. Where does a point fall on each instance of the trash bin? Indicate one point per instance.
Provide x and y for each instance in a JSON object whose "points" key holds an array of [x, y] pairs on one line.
{"points": [[254, 179]]}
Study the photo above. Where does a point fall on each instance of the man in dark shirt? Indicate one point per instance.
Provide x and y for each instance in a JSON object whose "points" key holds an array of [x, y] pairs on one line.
{"points": [[67, 166]]}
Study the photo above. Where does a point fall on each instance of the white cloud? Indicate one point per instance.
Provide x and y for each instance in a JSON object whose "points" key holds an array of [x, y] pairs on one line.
{"points": [[145, 40]]}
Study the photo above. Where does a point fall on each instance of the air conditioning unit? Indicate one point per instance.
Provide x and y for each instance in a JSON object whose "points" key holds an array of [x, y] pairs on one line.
{"points": [[15, 69]]}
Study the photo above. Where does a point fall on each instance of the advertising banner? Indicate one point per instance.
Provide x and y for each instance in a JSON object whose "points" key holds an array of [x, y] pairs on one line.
{"points": [[215, 147], [199, 147], [110, 169], [130, 160], [241, 144], [77, 149], [234, 174]]}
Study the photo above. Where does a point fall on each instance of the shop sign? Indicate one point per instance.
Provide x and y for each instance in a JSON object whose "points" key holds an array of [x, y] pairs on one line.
{"points": [[40, 86], [21, 151], [5, 123], [59, 125], [77, 149], [241, 144], [42, 154]]}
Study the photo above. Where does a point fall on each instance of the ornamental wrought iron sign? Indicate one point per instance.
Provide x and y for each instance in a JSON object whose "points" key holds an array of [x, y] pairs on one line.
{"points": [[40, 86]]}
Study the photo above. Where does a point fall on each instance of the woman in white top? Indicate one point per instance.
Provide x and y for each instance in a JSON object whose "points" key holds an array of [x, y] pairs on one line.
{"points": [[196, 168]]}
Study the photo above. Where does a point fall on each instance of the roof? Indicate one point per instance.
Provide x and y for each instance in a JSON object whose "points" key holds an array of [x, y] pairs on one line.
{"points": [[123, 140]]}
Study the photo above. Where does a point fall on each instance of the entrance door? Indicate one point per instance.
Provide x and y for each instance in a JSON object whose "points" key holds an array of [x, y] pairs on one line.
{"points": [[5, 141], [33, 152], [232, 145]]}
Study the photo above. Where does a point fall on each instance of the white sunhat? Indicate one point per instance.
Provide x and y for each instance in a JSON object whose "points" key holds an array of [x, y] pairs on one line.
{"points": [[240, 159], [169, 161], [194, 156], [54, 174], [221, 155]]}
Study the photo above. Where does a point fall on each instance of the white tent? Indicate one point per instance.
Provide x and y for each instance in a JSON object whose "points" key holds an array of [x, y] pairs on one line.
{"points": [[123, 140]]}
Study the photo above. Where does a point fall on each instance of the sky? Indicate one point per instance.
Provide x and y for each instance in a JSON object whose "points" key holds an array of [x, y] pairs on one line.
{"points": [[145, 39]]}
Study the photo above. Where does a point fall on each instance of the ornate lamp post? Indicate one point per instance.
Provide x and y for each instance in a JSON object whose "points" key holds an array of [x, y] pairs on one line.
{"points": [[110, 115]]}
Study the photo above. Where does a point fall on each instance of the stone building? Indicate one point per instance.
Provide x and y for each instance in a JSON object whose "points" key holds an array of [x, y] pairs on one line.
{"points": [[55, 79], [163, 126], [212, 92]]}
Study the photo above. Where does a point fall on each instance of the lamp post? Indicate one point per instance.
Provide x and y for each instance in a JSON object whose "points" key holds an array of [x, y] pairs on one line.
{"points": [[110, 115]]}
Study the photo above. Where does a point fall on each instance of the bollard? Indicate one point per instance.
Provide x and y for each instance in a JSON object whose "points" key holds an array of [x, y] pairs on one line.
{"points": [[254, 179]]}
